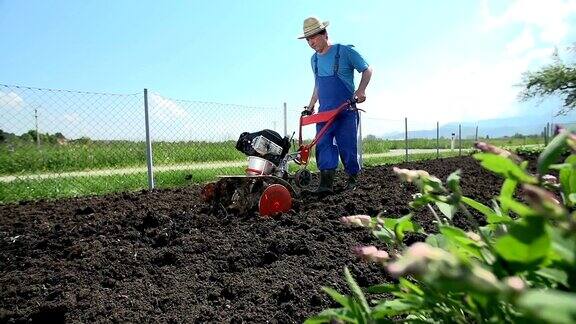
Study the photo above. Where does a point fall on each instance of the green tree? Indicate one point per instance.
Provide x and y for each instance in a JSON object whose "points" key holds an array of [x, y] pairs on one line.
{"points": [[29, 136], [555, 79]]}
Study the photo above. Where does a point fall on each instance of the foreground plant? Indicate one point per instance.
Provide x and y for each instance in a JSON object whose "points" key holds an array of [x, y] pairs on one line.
{"points": [[519, 267]]}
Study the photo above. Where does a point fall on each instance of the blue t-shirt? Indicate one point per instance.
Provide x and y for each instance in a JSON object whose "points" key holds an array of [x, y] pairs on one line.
{"points": [[350, 60]]}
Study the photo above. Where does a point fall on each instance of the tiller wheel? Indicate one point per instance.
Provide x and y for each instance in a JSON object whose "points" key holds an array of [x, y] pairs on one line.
{"points": [[269, 195], [274, 200]]}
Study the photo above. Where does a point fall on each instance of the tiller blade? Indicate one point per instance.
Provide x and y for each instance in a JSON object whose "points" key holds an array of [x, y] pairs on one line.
{"points": [[242, 194], [275, 199]]}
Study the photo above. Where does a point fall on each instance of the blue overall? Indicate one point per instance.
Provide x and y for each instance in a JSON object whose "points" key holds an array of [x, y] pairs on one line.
{"points": [[332, 92]]}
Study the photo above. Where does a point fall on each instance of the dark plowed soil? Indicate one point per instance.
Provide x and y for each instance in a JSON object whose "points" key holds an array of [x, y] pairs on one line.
{"points": [[159, 257]]}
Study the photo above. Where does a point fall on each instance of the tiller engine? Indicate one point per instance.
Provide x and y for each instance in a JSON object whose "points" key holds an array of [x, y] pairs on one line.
{"points": [[267, 184]]}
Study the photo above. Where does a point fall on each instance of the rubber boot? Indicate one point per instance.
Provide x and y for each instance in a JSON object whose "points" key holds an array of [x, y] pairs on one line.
{"points": [[352, 182], [326, 182]]}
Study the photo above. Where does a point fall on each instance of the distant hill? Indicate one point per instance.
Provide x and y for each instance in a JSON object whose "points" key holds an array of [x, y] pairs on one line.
{"points": [[525, 125]]}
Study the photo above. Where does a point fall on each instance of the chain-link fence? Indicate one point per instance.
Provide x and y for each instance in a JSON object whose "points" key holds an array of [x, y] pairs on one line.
{"points": [[195, 141], [58, 143]]}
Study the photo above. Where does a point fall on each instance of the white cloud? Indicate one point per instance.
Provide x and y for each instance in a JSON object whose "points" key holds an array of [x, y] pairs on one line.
{"points": [[458, 86], [10, 100], [471, 90], [165, 109], [549, 18]]}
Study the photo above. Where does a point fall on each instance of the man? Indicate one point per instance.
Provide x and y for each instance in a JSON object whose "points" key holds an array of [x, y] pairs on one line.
{"points": [[333, 67]]}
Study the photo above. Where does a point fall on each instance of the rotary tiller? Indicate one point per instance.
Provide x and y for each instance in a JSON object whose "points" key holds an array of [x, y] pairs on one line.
{"points": [[267, 184]]}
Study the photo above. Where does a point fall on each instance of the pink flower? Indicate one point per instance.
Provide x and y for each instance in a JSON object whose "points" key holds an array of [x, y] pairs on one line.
{"points": [[380, 256], [410, 175], [489, 148], [371, 253], [421, 250], [357, 220], [541, 197], [416, 259], [515, 283], [474, 236]]}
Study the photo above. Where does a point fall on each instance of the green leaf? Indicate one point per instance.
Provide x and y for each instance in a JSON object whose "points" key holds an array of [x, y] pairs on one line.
{"points": [[328, 315], [458, 239], [392, 308], [358, 313], [386, 235], [517, 207], [498, 219], [507, 191], [555, 275], [390, 223], [383, 288], [526, 243], [567, 178], [552, 306], [436, 240], [572, 198], [552, 152], [402, 225], [491, 216], [478, 206], [558, 166], [451, 232], [564, 247], [357, 292], [453, 182], [339, 298], [411, 287], [446, 209], [504, 167]]}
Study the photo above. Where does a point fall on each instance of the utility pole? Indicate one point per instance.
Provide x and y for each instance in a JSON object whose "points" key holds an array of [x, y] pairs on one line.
{"points": [[285, 120], [36, 122], [476, 135]]}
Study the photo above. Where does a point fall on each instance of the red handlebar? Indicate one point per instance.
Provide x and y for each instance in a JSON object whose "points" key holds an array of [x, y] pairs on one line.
{"points": [[326, 116]]}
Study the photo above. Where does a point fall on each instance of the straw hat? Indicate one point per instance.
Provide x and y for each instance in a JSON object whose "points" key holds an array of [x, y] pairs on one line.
{"points": [[313, 26]]}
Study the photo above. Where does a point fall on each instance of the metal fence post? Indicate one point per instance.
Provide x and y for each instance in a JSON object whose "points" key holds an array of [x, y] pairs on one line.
{"points": [[459, 140], [406, 136], [476, 135], [437, 140], [359, 143], [148, 143], [285, 120], [37, 132]]}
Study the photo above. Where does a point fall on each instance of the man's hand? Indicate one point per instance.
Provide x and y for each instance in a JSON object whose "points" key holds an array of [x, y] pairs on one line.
{"points": [[307, 111], [361, 92], [360, 95]]}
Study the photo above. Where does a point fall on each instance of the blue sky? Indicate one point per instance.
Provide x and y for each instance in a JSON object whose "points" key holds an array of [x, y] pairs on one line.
{"points": [[432, 60]]}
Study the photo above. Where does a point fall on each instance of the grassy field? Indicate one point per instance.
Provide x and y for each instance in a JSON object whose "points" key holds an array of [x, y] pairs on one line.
{"points": [[27, 159], [94, 155], [54, 188], [55, 161]]}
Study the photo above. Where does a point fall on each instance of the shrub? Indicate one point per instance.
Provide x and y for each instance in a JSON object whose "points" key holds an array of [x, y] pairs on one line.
{"points": [[519, 267]]}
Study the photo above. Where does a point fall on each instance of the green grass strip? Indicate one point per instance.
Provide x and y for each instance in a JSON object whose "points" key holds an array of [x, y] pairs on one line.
{"points": [[55, 188]]}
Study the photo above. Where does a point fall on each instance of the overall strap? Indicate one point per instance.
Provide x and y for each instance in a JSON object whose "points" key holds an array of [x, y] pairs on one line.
{"points": [[337, 59], [315, 64]]}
